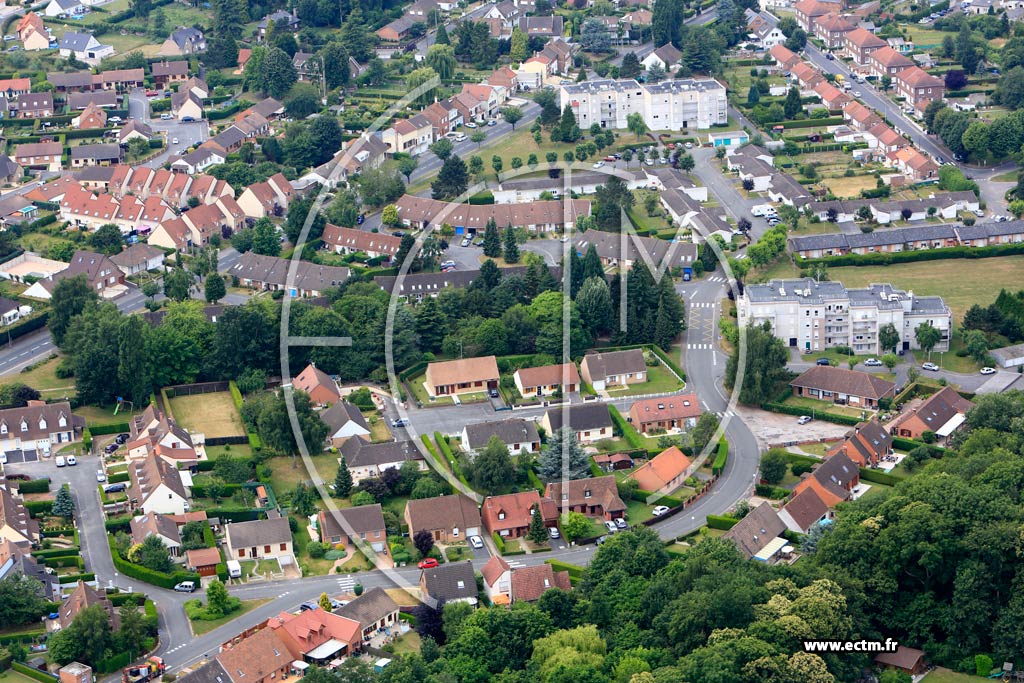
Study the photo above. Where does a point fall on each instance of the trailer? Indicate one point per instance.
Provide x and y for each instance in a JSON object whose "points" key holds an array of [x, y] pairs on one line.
{"points": [[148, 670]]}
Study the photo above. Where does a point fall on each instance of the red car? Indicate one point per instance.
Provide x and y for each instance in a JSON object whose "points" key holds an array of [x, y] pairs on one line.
{"points": [[428, 563]]}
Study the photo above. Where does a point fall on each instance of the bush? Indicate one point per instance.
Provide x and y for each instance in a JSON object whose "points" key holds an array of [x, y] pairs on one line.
{"points": [[316, 549], [721, 522], [499, 542], [718, 466], [35, 486], [878, 477], [335, 554], [141, 573]]}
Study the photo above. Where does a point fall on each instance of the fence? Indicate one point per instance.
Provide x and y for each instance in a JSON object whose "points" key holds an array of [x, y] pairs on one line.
{"points": [[197, 388]]}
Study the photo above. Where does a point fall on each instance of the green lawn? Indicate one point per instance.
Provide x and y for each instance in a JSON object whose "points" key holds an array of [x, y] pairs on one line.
{"points": [[814, 406], [1009, 177], [236, 450], [420, 392], [43, 377], [960, 283], [659, 380], [816, 448], [408, 644], [12, 676], [201, 627], [941, 675], [212, 414], [103, 415]]}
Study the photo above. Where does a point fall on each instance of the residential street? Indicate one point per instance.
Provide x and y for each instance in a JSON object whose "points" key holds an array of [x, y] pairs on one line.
{"points": [[187, 134]]}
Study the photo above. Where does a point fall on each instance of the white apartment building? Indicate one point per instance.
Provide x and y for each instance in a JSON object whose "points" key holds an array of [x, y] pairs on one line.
{"points": [[814, 316], [668, 105]]}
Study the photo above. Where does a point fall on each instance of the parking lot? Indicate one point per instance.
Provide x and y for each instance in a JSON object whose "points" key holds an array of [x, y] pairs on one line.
{"points": [[772, 429]]}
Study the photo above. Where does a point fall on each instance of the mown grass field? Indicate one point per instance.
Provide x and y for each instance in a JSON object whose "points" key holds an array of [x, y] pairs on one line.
{"points": [[212, 414]]}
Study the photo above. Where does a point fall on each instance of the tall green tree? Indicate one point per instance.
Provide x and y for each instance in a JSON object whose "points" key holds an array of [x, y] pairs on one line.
{"points": [[511, 247], [492, 469], [520, 48], [177, 284], [563, 451], [342, 480], [132, 363], [792, 105], [492, 240], [70, 297], [927, 336], [452, 180], [107, 239], [63, 504], [441, 58], [636, 124], [671, 315], [765, 366], [888, 337]]}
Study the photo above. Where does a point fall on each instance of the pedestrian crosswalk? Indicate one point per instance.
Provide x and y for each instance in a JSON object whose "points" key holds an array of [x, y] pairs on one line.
{"points": [[703, 304], [696, 346], [346, 584], [718, 278], [514, 563]]}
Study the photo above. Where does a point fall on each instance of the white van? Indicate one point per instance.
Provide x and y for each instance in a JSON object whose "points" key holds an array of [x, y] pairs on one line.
{"points": [[234, 569]]}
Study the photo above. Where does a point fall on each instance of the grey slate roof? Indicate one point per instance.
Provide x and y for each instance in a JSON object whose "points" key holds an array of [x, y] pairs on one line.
{"points": [[258, 532], [75, 41], [358, 453], [450, 582], [369, 608], [340, 414], [510, 431], [588, 416]]}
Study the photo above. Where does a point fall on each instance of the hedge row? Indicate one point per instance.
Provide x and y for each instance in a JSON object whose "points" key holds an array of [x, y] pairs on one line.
{"points": [[575, 571], [878, 477], [805, 123], [641, 496], [38, 507], [233, 514], [236, 396], [771, 492], [112, 664], [118, 524], [55, 552], [227, 490], [721, 522], [141, 573], [721, 457], [118, 599], [535, 481], [442, 443], [116, 428], [26, 636], [630, 434], [909, 444], [35, 486], [888, 258], [33, 673], [118, 477], [27, 325], [75, 578], [818, 415], [54, 533]]}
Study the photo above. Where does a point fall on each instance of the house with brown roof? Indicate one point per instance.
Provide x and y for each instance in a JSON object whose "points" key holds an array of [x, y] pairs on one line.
{"points": [[165, 73], [412, 136], [860, 43], [462, 376], [202, 561], [373, 610], [546, 380], [260, 539], [912, 163], [784, 58], [102, 276], [269, 198], [807, 12], [16, 524], [262, 657], [907, 659], [942, 413], [317, 636], [594, 497], [497, 576], [517, 434], [832, 97], [538, 216], [39, 155], [590, 422], [82, 597], [831, 29], [344, 421], [322, 390], [604, 370], [866, 444], [96, 155], [804, 510], [449, 519], [38, 426], [186, 105], [342, 527], [504, 77], [510, 515], [758, 534], [33, 105], [663, 473], [839, 385], [352, 241], [917, 86], [667, 414], [91, 117], [833, 480], [885, 61], [139, 258], [529, 583], [546, 27], [271, 273], [161, 526], [156, 486]]}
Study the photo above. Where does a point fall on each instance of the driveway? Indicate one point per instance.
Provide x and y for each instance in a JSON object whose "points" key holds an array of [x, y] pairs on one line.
{"points": [[187, 134]]}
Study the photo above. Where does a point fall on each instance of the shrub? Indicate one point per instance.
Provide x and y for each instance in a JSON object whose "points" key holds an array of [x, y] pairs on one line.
{"points": [[316, 549], [721, 522], [35, 486]]}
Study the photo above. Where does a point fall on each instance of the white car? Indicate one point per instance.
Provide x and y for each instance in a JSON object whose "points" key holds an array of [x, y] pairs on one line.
{"points": [[553, 532], [599, 164], [929, 366], [804, 419], [873, 362], [115, 119], [174, 141], [856, 93], [988, 371], [688, 145], [610, 526], [460, 137], [72, 461], [60, 461], [659, 510], [101, 475], [979, 213], [476, 542], [470, 125], [165, 117]]}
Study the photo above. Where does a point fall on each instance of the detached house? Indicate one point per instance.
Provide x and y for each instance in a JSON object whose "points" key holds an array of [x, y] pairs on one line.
{"points": [[840, 385], [449, 519], [38, 426], [546, 380], [510, 515], [942, 413], [39, 155], [453, 582], [463, 376], [594, 497], [529, 583], [263, 539], [183, 42], [35, 105], [321, 389], [866, 445], [82, 597], [365, 460], [663, 473], [517, 434], [156, 486], [161, 526], [758, 535], [165, 73], [668, 413], [804, 511], [614, 369], [833, 480], [373, 610], [84, 47], [186, 105], [91, 117], [590, 422], [344, 421], [341, 528]]}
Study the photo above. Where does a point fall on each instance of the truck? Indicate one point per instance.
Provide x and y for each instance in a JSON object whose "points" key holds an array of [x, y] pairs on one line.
{"points": [[687, 273], [839, 79], [148, 670]]}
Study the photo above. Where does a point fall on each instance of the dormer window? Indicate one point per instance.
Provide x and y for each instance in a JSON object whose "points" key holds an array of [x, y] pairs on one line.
{"points": [[63, 421], [42, 423], [586, 494], [24, 426], [501, 515]]}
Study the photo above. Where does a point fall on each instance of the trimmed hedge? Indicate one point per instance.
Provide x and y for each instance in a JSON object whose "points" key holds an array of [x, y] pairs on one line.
{"points": [[222, 572], [575, 571], [118, 477], [236, 396], [55, 552], [721, 522], [141, 573], [641, 496], [805, 123], [31, 324], [118, 599], [116, 428], [535, 481], [887, 258], [33, 673], [630, 434], [879, 477], [74, 578], [38, 507], [26, 636], [905, 444], [35, 486], [115, 525], [721, 457], [112, 664], [818, 414], [499, 542], [772, 492]]}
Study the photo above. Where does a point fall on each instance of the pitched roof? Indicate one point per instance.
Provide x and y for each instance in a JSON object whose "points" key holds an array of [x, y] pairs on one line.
{"points": [[369, 608], [361, 240], [359, 453], [82, 597], [495, 567], [362, 519], [889, 57], [843, 381], [756, 530], [585, 417], [863, 38], [40, 419], [340, 414], [154, 524], [202, 557], [210, 672], [865, 444], [256, 657], [448, 582], [510, 431], [258, 532], [38, 149], [657, 472], [904, 658], [148, 473], [75, 41], [273, 270], [830, 479], [916, 77], [445, 512], [608, 363], [938, 409], [602, 491], [610, 246], [312, 378], [806, 508], [515, 510], [13, 514], [549, 375], [136, 255], [462, 370], [419, 209], [529, 583]]}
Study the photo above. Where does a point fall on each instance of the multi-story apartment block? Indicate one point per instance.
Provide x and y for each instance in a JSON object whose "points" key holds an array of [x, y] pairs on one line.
{"points": [[814, 316], [668, 105]]}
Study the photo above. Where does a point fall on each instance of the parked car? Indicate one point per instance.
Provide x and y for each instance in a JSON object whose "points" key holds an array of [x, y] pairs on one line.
{"points": [[115, 488], [185, 587], [553, 532], [114, 119], [610, 526], [470, 124], [493, 393], [165, 117], [101, 475], [400, 422], [448, 264], [929, 366], [688, 145], [466, 242], [476, 542], [659, 510], [428, 563], [308, 606], [873, 362], [460, 137], [988, 371], [599, 164], [335, 604], [491, 122], [804, 419], [823, 361], [174, 141], [72, 461], [60, 461], [621, 523], [110, 448]]}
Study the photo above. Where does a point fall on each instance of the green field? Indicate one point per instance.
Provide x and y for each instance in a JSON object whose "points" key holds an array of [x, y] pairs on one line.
{"points": [[212, 414], [12, 676], [43, 378], [659, 380], [959, 282], [201, 627], [816, 407]]}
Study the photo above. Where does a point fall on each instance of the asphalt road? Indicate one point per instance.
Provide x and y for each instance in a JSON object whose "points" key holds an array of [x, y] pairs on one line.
{"points": [[187, 134]]}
